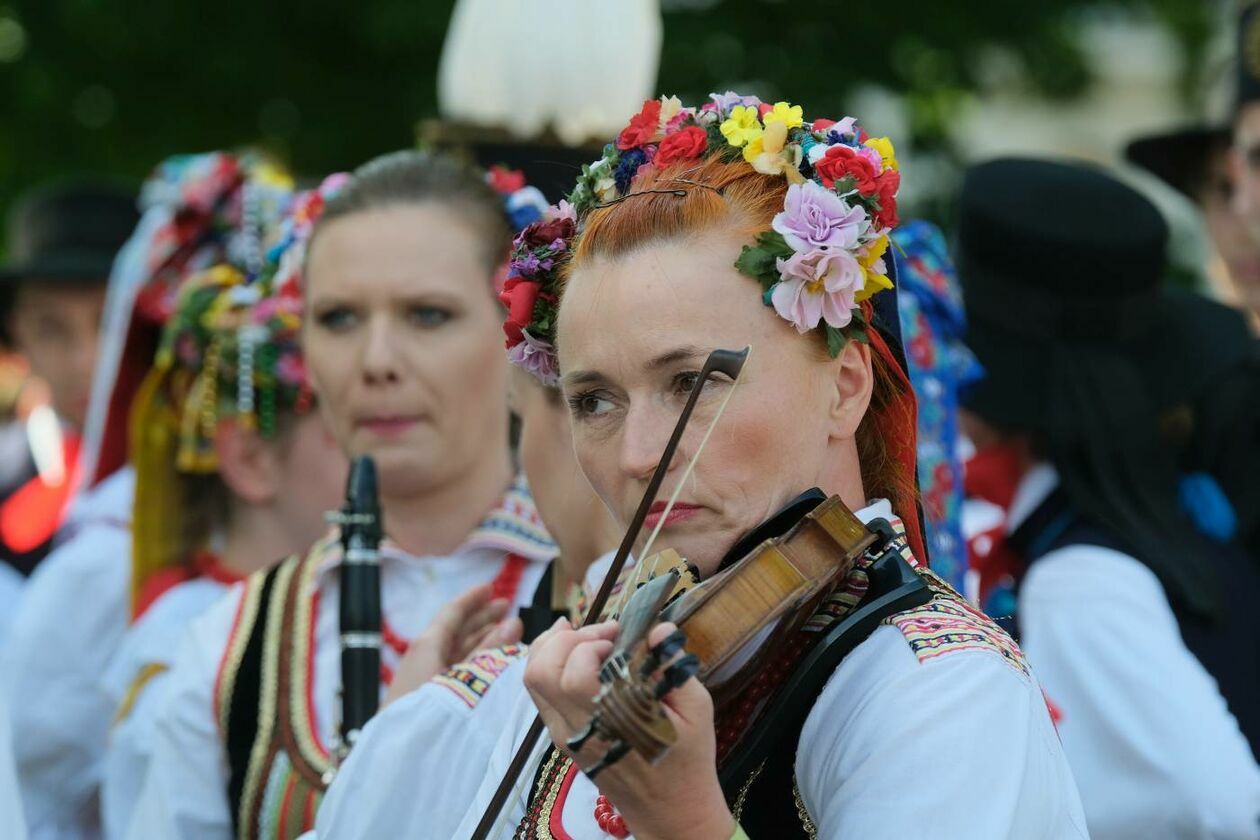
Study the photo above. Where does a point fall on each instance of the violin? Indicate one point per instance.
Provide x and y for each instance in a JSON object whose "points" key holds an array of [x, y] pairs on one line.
{"points": [[743, 629]]}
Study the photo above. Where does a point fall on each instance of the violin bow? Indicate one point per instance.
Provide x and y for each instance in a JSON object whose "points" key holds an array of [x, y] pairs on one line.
{"points": [[728, 362]]}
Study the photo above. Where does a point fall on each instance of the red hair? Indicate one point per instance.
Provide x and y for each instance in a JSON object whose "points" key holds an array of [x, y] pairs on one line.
{"points": [[692, 196]]}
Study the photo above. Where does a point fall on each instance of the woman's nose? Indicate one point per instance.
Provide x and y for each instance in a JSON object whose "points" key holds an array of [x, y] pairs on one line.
{"points": [[380, 353], [644, 436]]}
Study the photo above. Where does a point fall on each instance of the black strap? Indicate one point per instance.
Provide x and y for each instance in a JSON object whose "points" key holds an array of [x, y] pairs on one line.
{"points": [[540, 615], [771, 745], [246, 700]]}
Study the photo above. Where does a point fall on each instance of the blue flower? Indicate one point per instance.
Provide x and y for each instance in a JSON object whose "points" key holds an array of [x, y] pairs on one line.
{"points": [[627, 167], [523, 215]]}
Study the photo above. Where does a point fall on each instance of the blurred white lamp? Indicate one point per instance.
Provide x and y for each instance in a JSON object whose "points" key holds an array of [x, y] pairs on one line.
{"points": [[571, 71]]}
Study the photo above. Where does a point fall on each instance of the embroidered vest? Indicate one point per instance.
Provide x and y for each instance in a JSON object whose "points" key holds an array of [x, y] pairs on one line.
{"points": [[767, 802], [279, 768]]}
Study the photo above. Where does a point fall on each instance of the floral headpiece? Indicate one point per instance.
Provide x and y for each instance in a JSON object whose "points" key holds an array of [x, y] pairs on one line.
{"points": [[230, 351], [222, 207], [231, 347], [822, 258]]}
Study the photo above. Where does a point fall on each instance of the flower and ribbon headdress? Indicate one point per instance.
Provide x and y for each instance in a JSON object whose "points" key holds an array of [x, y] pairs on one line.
{"points": [[824, 255], [230, 350], [819, 265]]}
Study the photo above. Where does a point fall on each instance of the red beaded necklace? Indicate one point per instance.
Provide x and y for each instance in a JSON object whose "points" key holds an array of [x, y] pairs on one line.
{"points": [[607, 818]]}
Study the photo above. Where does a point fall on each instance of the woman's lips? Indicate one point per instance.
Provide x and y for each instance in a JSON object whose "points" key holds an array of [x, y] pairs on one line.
{"points": [[679, 512], [387, 426]]}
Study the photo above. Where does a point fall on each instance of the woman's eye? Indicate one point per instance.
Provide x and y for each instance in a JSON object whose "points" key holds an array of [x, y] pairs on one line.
{"points": [[590, 404], [429, 316], [686, 381], [337, 319]]}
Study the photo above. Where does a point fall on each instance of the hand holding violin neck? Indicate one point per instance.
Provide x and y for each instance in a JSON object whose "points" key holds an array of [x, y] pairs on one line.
{"points": [[739, 623]]}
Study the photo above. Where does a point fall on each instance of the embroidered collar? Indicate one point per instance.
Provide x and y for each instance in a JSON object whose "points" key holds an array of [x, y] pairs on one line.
{"points": [[512, 526]]}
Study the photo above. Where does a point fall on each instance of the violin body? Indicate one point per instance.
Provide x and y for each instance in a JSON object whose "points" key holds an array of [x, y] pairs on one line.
{"points": [[739, 624]]}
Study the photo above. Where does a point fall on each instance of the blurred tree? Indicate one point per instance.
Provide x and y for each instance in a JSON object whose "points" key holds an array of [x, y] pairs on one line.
{"points": [[115, 85]]}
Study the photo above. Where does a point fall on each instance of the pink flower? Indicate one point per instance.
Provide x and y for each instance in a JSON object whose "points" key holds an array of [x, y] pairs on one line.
{"points": [[537, 357], [816, 219], [817, 286], [291, 369]]}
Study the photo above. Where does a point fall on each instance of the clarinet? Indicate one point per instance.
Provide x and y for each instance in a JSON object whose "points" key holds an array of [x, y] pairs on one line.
{"points": [[361, 530]]}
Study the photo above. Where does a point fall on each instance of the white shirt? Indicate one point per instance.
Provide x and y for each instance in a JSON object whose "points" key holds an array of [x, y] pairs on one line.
{"points": [[420, 761], [71, 618], [12, 823], [1152, 744], [138, 676], [184, 794], [960, 745]]}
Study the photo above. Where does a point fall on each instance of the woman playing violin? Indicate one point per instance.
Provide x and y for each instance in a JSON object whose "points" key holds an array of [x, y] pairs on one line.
{"points": [[734, 224]]}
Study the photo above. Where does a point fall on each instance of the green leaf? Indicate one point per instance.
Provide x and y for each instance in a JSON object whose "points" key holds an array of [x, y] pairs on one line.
{"points": [[835, 340], [757, 262], [844, 185], [773, 242]]}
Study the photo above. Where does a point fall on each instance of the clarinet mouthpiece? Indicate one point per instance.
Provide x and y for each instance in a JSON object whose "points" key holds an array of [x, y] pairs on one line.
{"points": [[363, 505]]}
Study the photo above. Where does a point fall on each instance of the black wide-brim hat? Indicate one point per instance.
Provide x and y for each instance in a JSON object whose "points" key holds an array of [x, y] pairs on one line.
{"points": [[69, 233], [1062, 268], [1179, 157]]}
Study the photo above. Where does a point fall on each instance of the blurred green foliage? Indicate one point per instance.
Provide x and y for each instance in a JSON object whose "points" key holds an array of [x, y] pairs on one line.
{"points": [[115, 85]]}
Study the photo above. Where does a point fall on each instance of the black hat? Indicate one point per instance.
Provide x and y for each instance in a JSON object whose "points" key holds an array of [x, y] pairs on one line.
{"points": [[1179, 158], [1054, 252], [69, 232], [1248, 63], [1061, 268]]}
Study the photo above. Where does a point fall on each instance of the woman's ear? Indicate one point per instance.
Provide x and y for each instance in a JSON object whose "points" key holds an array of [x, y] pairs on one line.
{"points": [[853, 380], [247, 463]]}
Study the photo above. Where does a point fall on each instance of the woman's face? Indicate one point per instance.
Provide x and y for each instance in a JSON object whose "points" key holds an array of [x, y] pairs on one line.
{"points": [[633, 333], [569, 507], [403, 342]]}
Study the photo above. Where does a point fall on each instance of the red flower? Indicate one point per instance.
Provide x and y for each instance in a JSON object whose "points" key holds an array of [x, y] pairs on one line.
{"points": [[842, 160], [518, 295], [542, 234], [687, 144], [643, 126], [822, 124], [889, 183], [506, 181]]}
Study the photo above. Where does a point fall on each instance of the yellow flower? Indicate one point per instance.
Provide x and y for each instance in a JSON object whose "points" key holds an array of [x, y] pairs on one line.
{"points": [[789, 115], [874, 252], [776, 160], [884, 146], [774, 138], [742, 126], [770, 141], [875, 282]]}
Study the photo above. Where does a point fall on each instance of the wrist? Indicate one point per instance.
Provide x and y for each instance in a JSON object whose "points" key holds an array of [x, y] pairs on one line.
{"points": [[707, 820]]}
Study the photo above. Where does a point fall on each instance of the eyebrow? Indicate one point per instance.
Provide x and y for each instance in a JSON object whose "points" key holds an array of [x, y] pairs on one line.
{"points": [[669, 357]]}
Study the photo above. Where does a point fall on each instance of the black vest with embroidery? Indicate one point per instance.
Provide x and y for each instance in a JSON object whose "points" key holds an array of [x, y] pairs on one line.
{"points": [[278, 768], [1228, 649]]}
